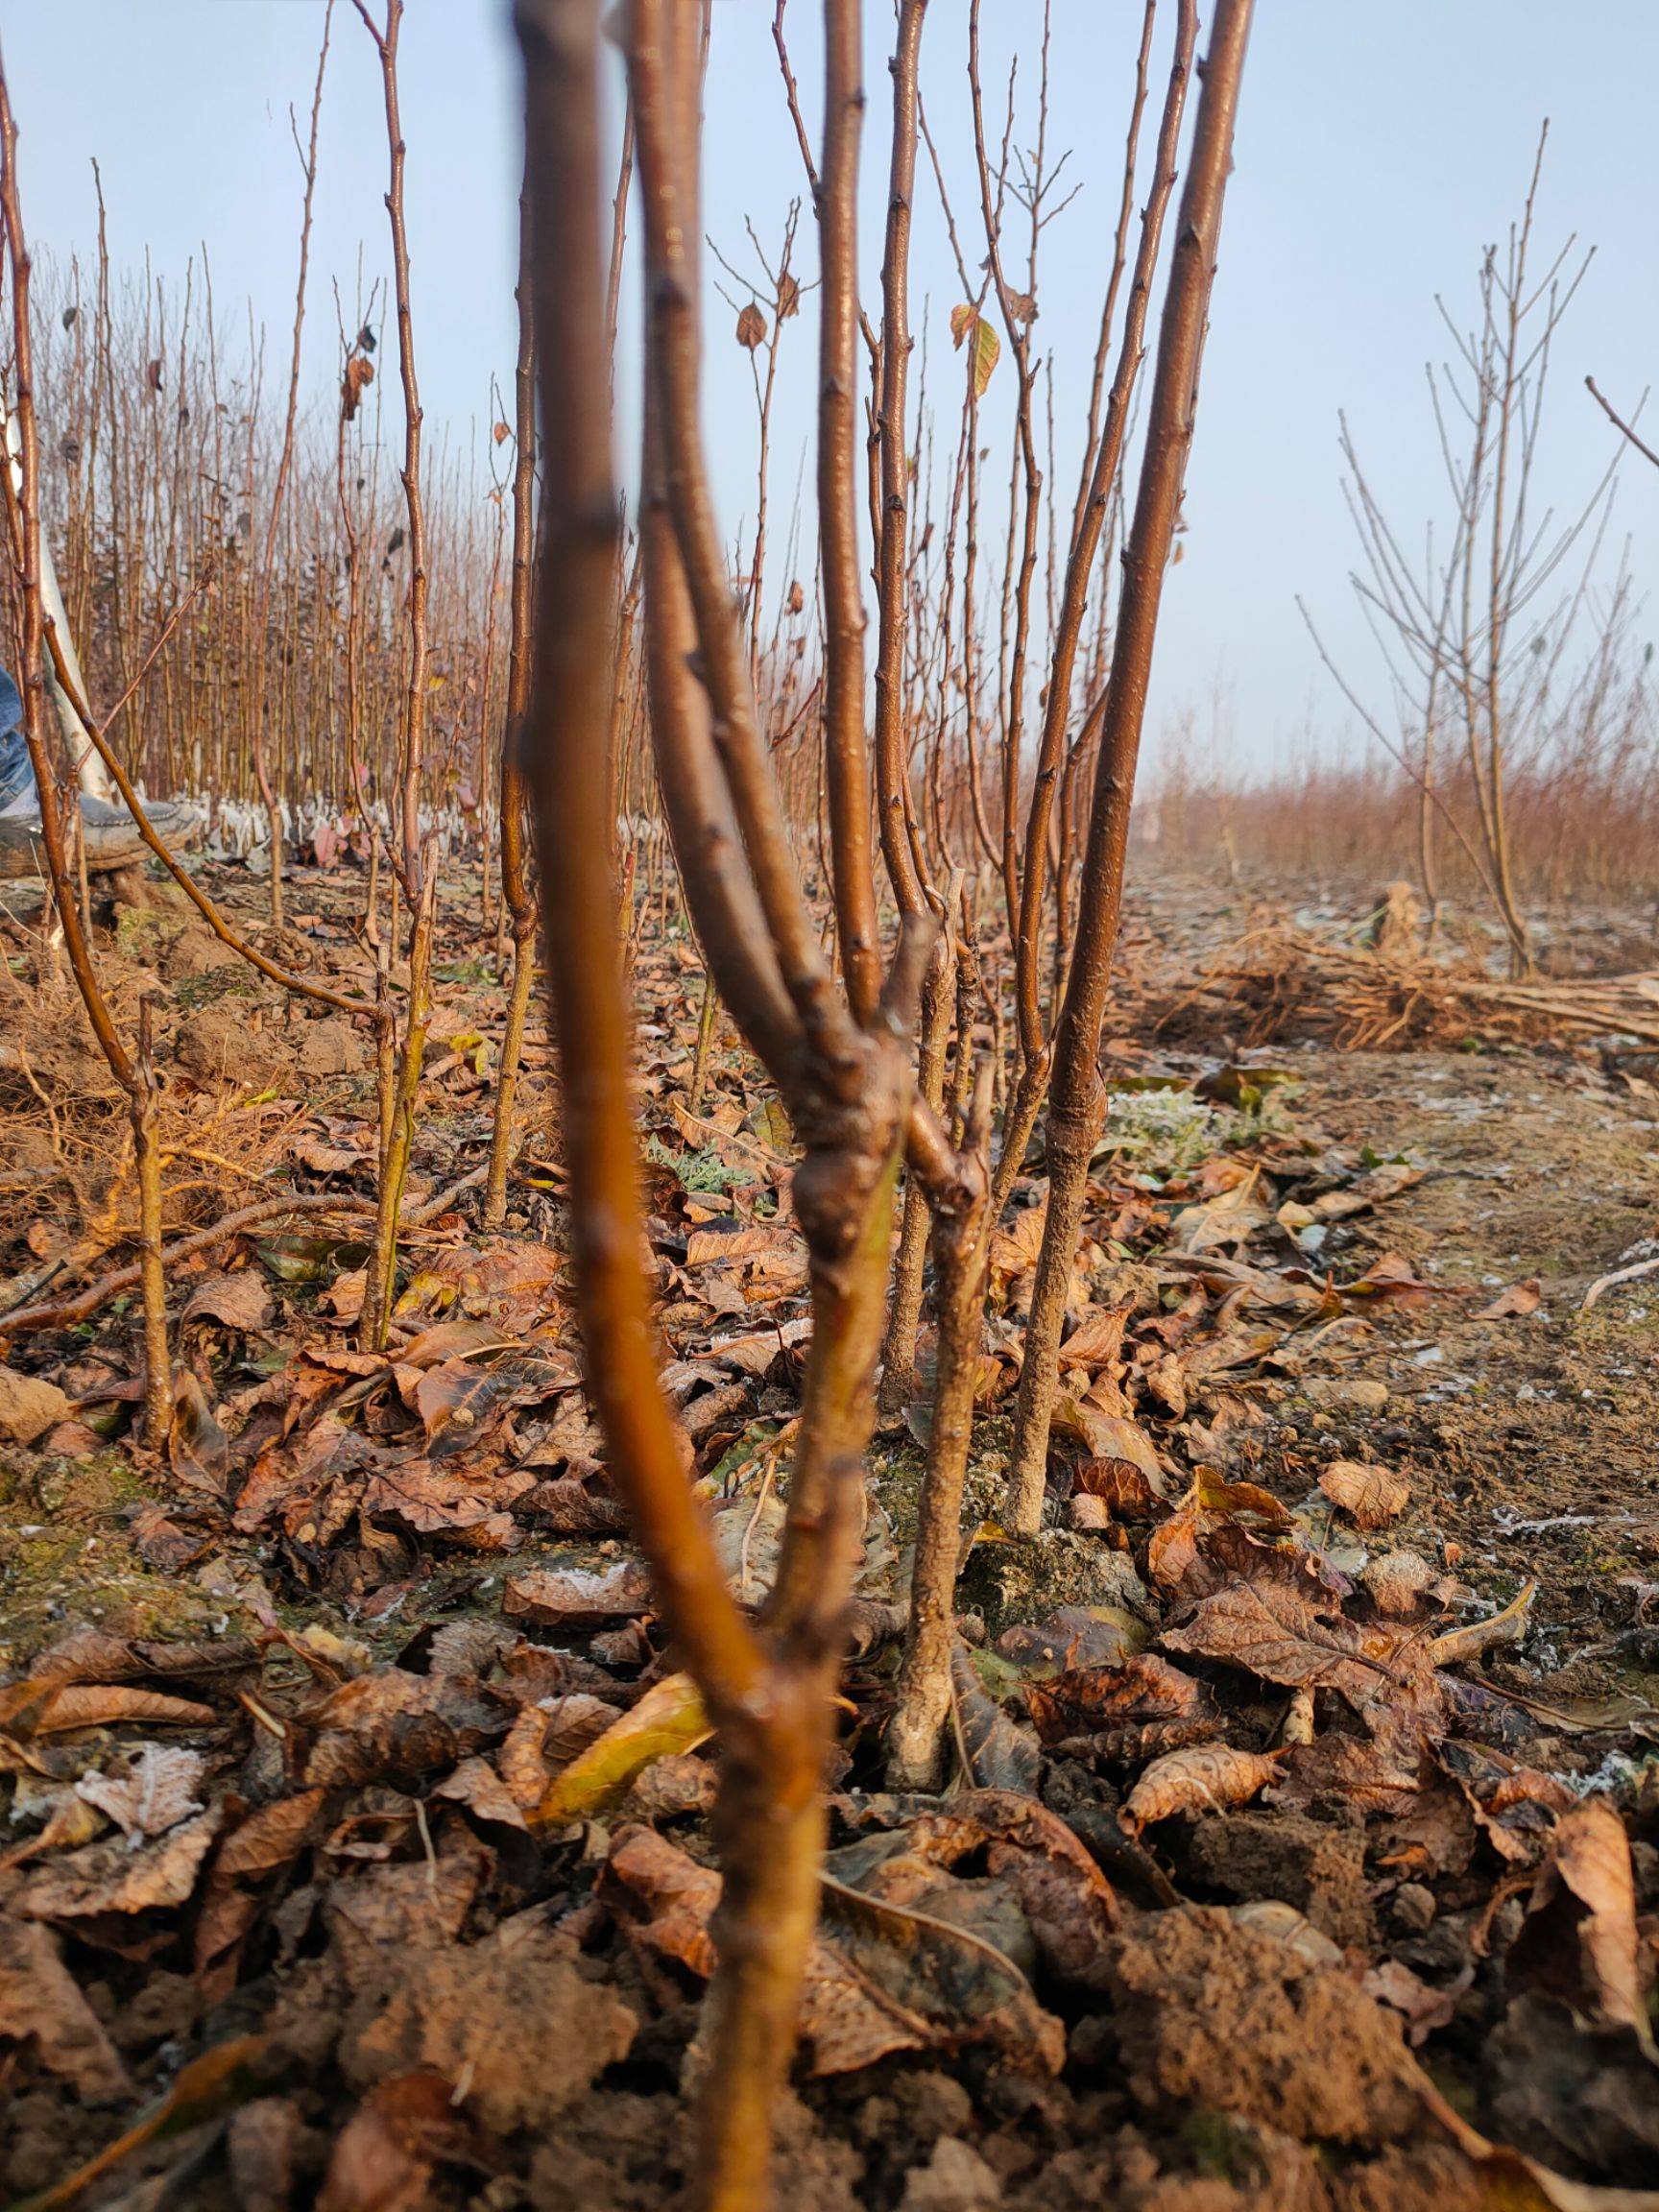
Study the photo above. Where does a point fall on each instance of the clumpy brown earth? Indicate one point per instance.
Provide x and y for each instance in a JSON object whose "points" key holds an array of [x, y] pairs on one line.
{"points": [[1303, 1854]]}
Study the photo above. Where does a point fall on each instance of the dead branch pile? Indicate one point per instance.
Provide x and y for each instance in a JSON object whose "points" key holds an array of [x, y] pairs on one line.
{"points": [[1278, 984]]}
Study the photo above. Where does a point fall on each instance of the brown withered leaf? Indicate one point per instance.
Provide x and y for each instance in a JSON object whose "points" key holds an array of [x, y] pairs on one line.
{"points": [[1111, 1436], [1371, 1496], [89, 1654], [512, 2021], [37, 1708], [458, 1397], [383, 2157], [1014, 1250], [1214, 1494], [1143, 1690], [41, 2003], [1272, 1632], [236, 1301], [476, 1785], [112, 1877], [1515, 1303], [1578, 1941], [1121, 1487], [359, 375], [575, 1600], [430, 1501], [1515, 1806], [1201, 1778], [161, 1543], [1423, 2008], [157, 1790], [390, 1908], [265, 1844], [1097, 1340], [880, 1978], [1393, 1281], [1172, 1556], [669, 1718], [751, 327], [568, 1507], [1403, 1585], [997, 1752], [392, 1725], [1340, 1769], [1071, 1639], [1508, 1626], [1071, 1906], [197, 1448]]}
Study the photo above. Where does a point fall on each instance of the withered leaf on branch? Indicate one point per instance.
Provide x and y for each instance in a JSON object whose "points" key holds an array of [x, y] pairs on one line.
{"points": [[751, 327], [1201, 1778], [967, 322], [358, 377]]}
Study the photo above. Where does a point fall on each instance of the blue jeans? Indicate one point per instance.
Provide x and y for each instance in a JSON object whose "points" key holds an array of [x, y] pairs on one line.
{"points": [[16, 776]]}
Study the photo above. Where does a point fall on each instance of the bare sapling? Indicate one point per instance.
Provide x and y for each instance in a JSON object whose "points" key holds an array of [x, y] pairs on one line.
{"points": [[917, 1744], [414, 878], [517, 890], [1471, 637], [133, 1068], [268, 790], [1076, 1104], [839, 1056]]}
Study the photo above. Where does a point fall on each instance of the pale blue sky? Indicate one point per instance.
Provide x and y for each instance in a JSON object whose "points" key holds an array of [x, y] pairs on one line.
{"points": [[1381, 142]]}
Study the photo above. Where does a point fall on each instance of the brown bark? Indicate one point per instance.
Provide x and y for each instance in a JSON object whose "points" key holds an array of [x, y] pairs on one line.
{"points": [[515, 887], [410, 867], [1076, 1097], [846, 1085], [916, 1740]]}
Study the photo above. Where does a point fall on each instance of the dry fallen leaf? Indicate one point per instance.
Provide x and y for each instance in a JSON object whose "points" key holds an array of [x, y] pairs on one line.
{"points": [[880, 1978], [1370, 1496], [238, 1301], [112, 1877], [1505, 1628], [668, 1718], [1201, 1778], [1514, 1303], [157, 1793], [38, 1708], [41, 2003], [1580, 1941]]}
